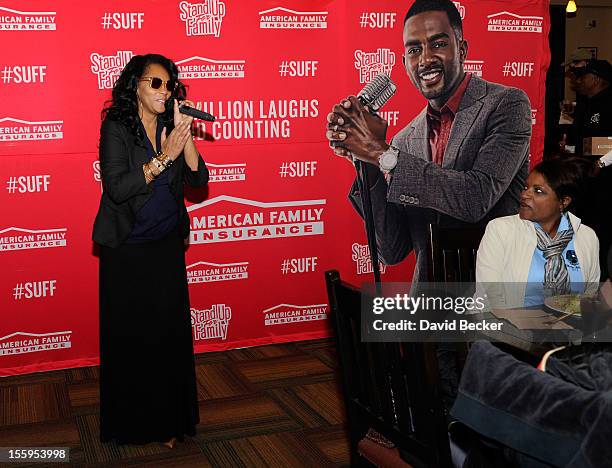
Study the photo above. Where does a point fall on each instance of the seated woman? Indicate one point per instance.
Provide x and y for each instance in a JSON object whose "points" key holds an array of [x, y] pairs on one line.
{"points": [[543, 250]]}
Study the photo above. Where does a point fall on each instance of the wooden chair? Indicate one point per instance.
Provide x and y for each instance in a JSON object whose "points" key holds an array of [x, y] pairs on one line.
{"points": [[452, 253], [392, 388], [451, 257]]}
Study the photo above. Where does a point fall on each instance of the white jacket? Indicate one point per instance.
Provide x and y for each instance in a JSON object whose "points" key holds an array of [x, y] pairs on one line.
{"points": [[506, 251]]}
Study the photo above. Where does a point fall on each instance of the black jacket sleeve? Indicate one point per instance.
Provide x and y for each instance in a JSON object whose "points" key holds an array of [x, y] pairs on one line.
{"points": [[119, 181], [197, 178]]}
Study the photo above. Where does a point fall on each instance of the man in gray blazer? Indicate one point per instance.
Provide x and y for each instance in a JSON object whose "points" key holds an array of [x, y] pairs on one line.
{"points": [[463, 159]]}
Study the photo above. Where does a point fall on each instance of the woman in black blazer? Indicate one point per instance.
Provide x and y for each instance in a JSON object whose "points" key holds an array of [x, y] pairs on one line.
{"points": [[147, 374]]}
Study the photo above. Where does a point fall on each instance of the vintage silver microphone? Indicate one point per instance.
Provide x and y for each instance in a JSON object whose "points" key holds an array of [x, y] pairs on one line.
{"points": [[377, 92], [374, 95]]}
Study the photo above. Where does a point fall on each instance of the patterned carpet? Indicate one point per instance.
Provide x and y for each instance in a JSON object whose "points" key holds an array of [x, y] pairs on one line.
{"points": [[276, 405]]}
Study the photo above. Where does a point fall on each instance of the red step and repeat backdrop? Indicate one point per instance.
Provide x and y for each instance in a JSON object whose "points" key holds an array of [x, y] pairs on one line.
{"points": [[275, 215]]}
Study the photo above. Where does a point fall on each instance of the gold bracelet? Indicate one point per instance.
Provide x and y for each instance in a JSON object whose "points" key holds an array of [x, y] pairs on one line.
{"points": [[164, 159], [167, 162], [148, 173], [154, 166], [160, 167]]}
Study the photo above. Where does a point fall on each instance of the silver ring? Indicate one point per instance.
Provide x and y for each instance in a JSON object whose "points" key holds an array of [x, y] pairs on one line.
{"points": [[336, 128]]}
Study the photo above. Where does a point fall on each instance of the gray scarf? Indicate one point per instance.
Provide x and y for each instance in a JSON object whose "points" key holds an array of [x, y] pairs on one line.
{"points": [[556, 277]]}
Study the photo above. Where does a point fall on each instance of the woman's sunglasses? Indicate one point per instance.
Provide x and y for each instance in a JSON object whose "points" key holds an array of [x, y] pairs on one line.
{"points": [[157, 83]]}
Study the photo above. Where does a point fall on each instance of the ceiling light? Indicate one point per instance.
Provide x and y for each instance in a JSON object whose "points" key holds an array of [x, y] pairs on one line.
{"points": [[571, 7]]}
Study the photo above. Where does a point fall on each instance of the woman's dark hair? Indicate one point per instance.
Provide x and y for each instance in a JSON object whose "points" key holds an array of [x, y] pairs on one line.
{"points": [[448, 7], [566, 175], [123, 106]]}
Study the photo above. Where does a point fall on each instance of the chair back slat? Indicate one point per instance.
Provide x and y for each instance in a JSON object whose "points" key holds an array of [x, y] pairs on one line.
{"points": [[451, 254]]}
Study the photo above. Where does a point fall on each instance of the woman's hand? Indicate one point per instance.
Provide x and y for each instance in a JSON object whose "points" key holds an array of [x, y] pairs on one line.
{"points": [[178, 117], [175, 142]]}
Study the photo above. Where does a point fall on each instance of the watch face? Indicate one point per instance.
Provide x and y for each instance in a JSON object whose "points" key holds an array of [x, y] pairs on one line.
{"points": [[388, 160]]}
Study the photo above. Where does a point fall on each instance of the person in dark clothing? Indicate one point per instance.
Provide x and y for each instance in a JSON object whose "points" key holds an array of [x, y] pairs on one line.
{"points": [[593, 115], [147, 371], [555, 415], [598, 214]]}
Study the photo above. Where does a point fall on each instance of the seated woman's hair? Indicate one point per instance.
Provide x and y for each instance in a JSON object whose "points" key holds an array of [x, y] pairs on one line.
{"points": [[567, 176]]}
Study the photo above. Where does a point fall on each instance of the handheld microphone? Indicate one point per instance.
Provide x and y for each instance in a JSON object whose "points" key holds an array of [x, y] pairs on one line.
{"points": [[195, 113], [375, 94]]}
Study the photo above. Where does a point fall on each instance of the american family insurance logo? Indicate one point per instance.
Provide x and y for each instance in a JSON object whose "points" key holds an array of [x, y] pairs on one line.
{"points": [[283, 18], [226, 172], [13, 20], [370, 64], [475, 67], [21, 342], [14, 238], [282, 314], [108, 67], [363, 262], [208, 272], [200, 67], [510, 22], [211, 323], [204, 18], [229, 219], [24, 130]]}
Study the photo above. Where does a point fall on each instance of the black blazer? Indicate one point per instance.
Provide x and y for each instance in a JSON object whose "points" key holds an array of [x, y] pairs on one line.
{"points": [[122, 155]]}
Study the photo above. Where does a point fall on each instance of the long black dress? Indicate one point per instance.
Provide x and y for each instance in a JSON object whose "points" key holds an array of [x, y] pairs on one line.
{"points": [[147, 372]]}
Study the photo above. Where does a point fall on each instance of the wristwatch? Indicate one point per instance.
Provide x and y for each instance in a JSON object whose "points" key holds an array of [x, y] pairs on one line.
{"points": [[388, 159]]}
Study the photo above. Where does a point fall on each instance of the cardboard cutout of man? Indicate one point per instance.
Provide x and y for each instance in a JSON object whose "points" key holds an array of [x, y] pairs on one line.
{"points": [[463, 159]]}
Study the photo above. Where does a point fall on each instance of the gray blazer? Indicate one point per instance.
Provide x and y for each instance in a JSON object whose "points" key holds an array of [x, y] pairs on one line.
{"points": [[485, 167]]}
